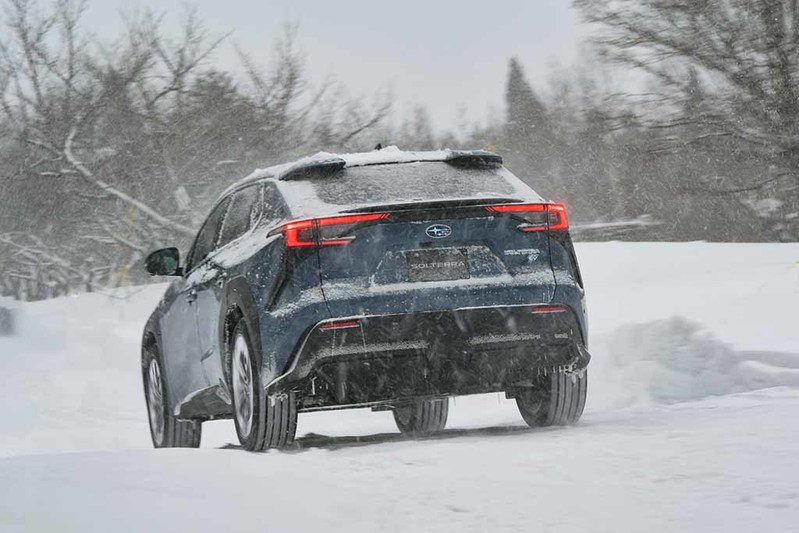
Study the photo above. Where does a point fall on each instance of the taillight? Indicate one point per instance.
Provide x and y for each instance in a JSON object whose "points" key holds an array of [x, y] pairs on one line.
{"points": [[299, 233], [329, 231], [558, 221], [336, 230], [536, 217]]}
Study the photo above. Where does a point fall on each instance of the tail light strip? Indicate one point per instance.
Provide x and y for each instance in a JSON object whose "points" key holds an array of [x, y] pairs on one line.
{"points": [[306, 233], [513, 208], [333, 231], [537, 217]]}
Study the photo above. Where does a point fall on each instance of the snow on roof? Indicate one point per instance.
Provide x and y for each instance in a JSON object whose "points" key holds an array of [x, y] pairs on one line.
{"points": [[392, 154], [387, 155]]}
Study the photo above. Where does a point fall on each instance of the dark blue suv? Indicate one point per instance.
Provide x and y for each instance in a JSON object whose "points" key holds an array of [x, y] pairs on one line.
{"points": [[391, 280]]}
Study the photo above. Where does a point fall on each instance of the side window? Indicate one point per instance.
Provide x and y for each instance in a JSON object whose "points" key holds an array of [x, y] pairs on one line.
{"points": [[244, 210], [208, 237], [257, 207], [272, 206]]}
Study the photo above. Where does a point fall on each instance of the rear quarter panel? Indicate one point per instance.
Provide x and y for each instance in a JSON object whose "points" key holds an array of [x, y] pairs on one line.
{"points": [[569, 284], [279, 293]]}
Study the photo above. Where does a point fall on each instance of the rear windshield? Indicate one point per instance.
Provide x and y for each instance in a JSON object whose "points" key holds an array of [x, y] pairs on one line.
{"points": [[410, 182]]}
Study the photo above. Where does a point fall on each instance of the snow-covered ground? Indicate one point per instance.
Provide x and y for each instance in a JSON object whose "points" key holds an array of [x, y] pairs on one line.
{"points": [[691, 423]]}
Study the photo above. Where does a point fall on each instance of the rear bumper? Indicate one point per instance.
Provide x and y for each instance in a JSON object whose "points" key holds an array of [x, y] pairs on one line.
{"points": [[369, 360]]}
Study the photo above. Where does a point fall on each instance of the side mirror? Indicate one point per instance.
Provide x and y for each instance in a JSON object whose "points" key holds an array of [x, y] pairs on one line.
{"points": [[164, 262]]}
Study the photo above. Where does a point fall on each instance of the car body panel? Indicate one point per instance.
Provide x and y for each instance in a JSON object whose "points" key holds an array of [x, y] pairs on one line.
{"points": [[178, 332], [209, 292]]}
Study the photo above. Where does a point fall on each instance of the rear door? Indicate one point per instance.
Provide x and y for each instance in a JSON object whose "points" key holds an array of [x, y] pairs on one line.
{"points": [[193, 375], [425, 249], [241, 213], [179, 342]]}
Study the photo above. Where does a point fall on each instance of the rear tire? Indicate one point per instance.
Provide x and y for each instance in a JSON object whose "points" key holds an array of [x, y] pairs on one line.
{"points": [[422, 416], [166, 431], [558, 402], [261, 421]]}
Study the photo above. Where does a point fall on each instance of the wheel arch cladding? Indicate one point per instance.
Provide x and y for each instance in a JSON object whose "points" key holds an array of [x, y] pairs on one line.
{"points": [[151, 335], [151, 338], [238, 303]]}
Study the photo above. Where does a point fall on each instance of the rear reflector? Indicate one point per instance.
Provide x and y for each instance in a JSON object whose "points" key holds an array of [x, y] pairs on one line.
{"points": [[549, 309], [536, 217], [329, 231], [345, 324]]}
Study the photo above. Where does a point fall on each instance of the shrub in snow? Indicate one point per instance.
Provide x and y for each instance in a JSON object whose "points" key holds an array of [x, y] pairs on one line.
{"points": [[6, 319]]}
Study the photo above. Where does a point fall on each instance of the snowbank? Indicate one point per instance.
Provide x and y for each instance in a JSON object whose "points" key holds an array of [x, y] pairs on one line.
{"points": [[70, 380], [746, 294], [675, 360]]}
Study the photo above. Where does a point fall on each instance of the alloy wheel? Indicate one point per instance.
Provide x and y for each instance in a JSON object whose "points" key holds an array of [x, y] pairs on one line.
{"points": [[155, 400], [243, 386]]}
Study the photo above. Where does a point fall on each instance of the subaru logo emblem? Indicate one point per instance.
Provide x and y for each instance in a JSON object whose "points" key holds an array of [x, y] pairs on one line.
{"points": [[438, 231]]}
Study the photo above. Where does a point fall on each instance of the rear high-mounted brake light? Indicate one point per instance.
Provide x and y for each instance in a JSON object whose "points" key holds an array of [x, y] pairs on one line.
{"points": [[329, 231], [536, 217], [344, 324]]}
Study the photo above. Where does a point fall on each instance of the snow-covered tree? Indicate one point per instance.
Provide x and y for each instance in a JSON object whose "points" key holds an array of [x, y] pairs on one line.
{"points": [[746, 54]]}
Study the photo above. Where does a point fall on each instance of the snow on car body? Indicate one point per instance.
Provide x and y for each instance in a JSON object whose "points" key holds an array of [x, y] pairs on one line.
{"points": [[389, 279]]}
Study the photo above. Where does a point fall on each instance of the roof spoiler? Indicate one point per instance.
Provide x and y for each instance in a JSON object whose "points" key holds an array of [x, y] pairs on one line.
{"points": [[324, 165], [474, 159], [313, 168]]}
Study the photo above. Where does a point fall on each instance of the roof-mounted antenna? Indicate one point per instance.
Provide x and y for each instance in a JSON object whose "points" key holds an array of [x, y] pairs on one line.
{"points": [[379, 146]]}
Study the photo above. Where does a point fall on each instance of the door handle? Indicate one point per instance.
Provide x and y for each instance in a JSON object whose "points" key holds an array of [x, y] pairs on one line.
{"points": [[192, 296]]}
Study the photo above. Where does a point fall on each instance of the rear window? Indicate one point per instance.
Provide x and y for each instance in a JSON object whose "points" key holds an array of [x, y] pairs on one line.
{"points": [[410, 182]]}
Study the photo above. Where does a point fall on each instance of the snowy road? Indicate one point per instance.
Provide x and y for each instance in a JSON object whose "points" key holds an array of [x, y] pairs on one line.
{"points": [[691, 424], [717, 465]]}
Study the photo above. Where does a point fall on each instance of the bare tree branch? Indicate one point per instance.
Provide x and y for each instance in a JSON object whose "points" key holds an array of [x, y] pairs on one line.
{"points": [[139, 205]]}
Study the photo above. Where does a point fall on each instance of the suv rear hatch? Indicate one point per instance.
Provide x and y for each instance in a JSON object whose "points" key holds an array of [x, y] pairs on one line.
{"points": [[429, 236]]}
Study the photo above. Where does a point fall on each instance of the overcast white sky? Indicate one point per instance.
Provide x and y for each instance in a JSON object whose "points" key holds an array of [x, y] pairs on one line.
{"points": [[445, 55]]}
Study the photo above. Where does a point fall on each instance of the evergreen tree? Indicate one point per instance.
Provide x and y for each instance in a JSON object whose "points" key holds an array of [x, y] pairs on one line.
{"points": [[526, 116], [528, 144]]}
